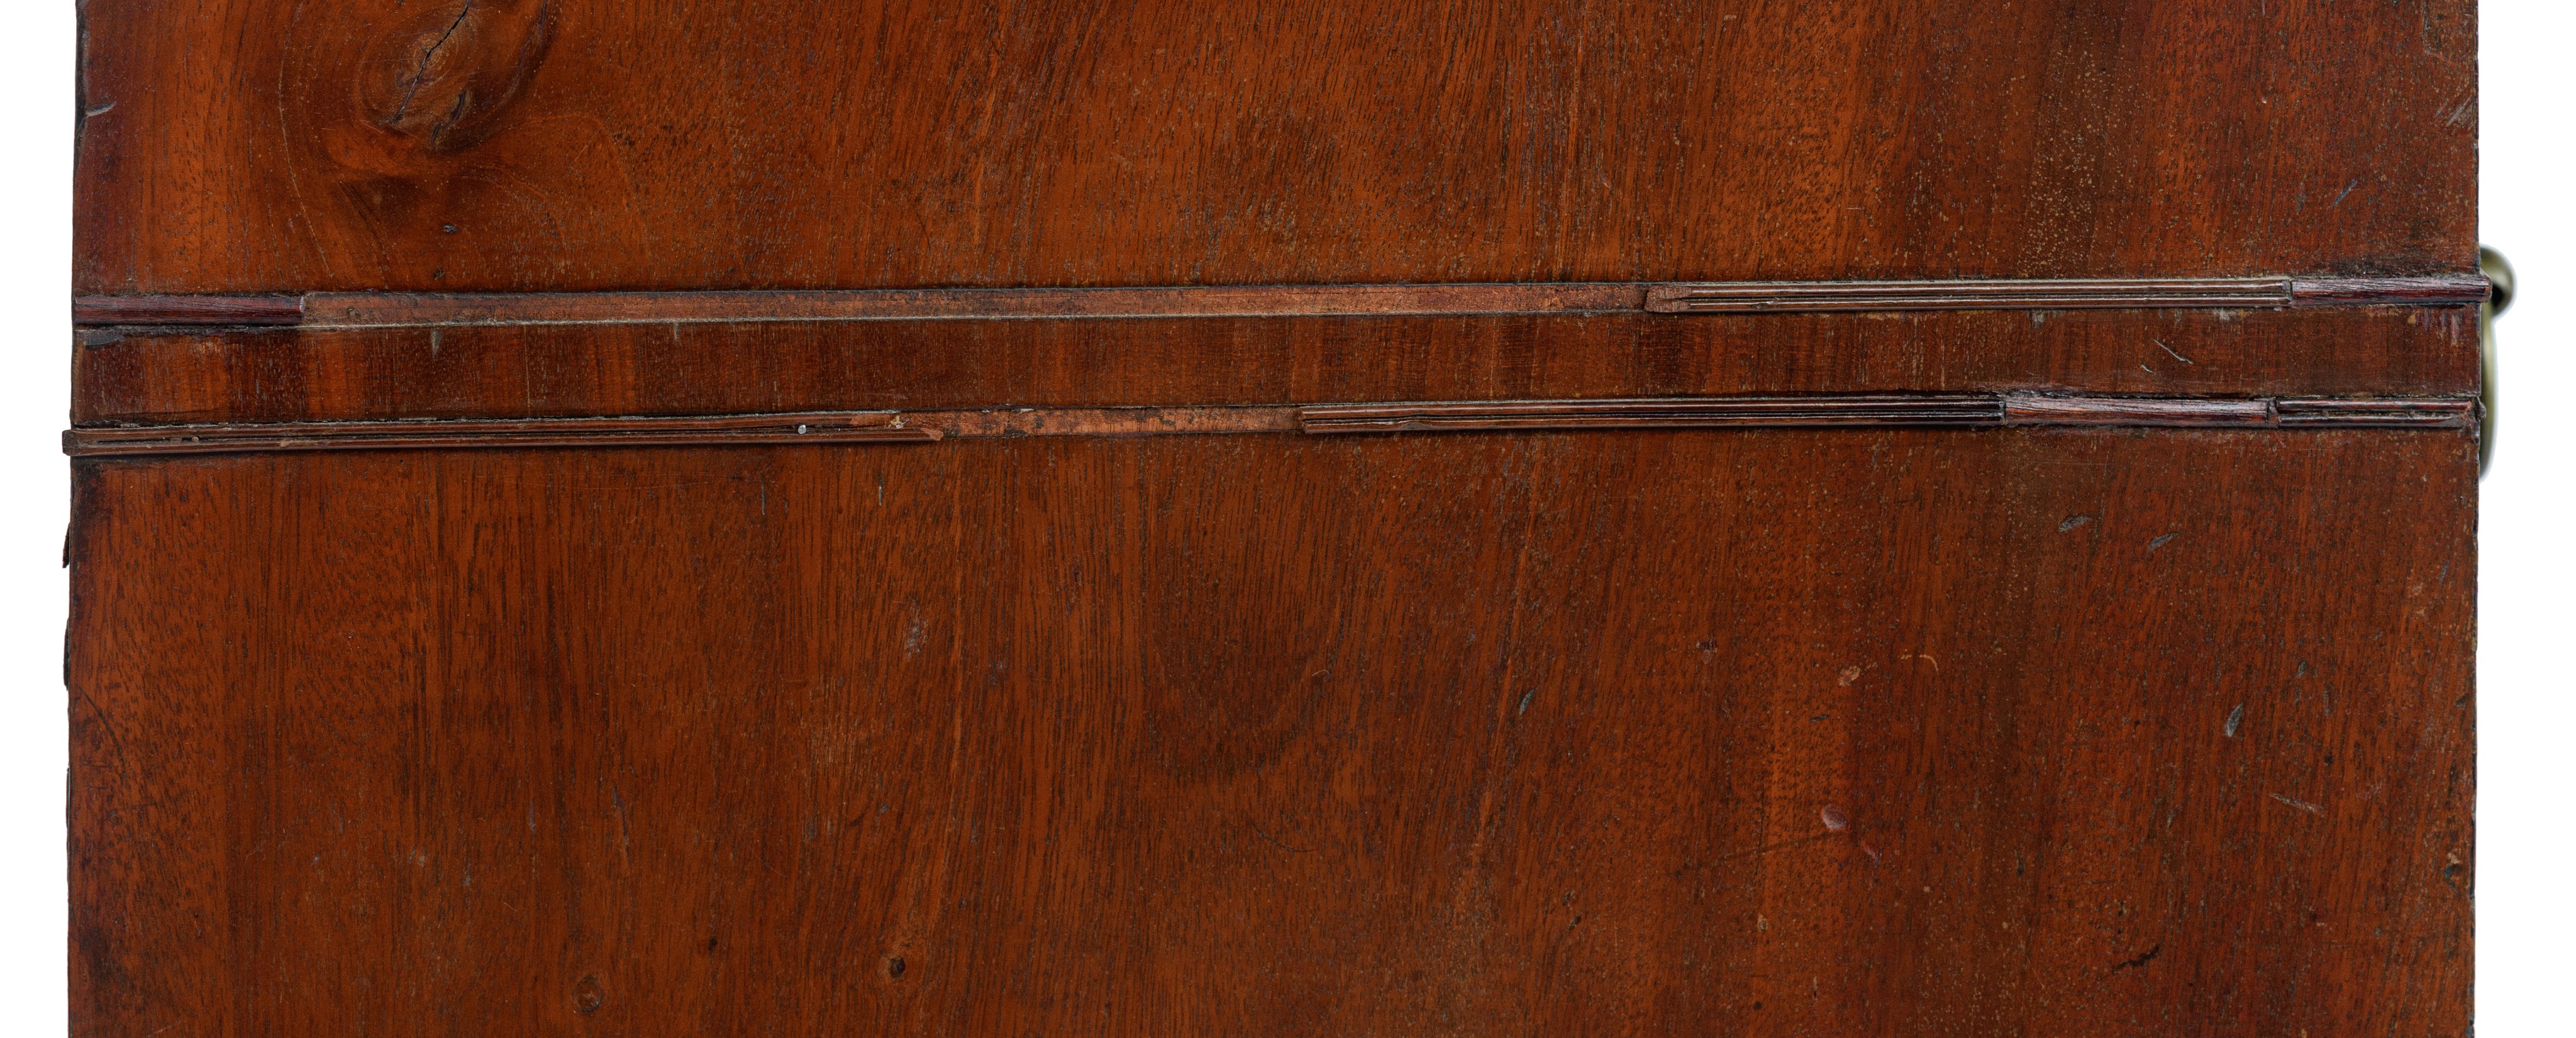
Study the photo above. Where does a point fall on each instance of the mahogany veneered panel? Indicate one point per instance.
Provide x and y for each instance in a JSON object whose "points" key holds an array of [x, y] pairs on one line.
{"points": [[1935, 731], [1273, 518], [570, 145]]}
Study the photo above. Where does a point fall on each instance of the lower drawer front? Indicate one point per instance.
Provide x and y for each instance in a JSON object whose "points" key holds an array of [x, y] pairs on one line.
{"points": [[1741, 732]]}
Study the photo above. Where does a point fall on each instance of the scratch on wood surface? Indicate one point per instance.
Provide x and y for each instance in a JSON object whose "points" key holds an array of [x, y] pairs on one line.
{"points": [[2300, 804]]}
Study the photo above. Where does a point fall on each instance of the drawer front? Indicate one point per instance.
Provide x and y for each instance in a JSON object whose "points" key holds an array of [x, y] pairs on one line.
{"points": [[1898, 518]]}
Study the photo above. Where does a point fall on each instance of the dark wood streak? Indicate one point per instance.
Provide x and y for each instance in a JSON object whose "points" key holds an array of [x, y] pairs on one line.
{"points": [[413, 310], [1967, 411], [102, 311]]}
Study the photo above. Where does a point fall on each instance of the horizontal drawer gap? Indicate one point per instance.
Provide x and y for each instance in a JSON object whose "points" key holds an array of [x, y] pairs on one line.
{"points": [[402, 310], [1956, 411]]}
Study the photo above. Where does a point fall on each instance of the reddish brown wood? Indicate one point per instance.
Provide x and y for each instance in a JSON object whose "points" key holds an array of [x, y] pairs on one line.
{"points": [[402, 310], [833, 427], [1101, 421], [2459, 414], [1792, 732], [367, 310], [608, 370], [719, 430], [1746, 412], [2010, 730], [1953, 411], [2034, 409], [601, 145], [90, 311], [2061, 294]]}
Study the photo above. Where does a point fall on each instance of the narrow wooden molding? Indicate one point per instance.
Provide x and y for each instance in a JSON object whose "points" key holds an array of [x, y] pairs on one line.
{"points": [[101, 311], [1745, 412], [839, 427], [2430, 290], [382, 310], [1100, 421], [1960, 411], [2035, 409], [1951, 411], [925, 426], [1742, 297], [405, 310], [2384, 414]]}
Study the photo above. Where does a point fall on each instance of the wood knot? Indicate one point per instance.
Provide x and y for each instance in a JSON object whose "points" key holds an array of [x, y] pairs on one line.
{"points": [[588, 996], [439, 82]]}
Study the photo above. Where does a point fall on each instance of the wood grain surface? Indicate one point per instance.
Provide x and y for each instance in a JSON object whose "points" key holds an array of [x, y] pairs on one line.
{"points": [[1796, 733], [246, 146], [714, 729], [1948, 411], [414, 309], [188, 375], [812, 427]]}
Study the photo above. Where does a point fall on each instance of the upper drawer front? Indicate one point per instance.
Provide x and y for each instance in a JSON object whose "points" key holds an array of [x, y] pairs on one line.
{"points": [[576, 145]]}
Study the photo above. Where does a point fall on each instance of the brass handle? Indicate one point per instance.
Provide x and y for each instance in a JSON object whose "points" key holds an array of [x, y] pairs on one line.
{"points": [[2499, 296]]}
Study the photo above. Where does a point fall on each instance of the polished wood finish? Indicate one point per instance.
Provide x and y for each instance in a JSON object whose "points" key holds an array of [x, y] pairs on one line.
{"points": [[2033, 409], [2065, 294], [161, 376], [598, 145], [94, 311], [1887, 518], [1944, 411], [865, 427], [1752, 412], [377, 310], [2392, 414], [1947, 411], [405, 310], [1797, 732], [2390, 291]]}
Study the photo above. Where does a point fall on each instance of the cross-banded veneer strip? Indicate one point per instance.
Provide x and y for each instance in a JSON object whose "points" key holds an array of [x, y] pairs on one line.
{"points": [[398, 310]]}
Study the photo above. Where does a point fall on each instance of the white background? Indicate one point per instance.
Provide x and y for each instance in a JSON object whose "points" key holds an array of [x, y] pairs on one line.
{"points": [[2526, 862]]}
